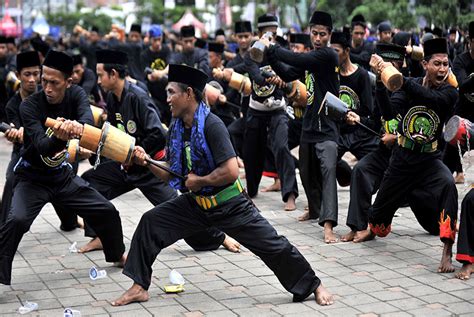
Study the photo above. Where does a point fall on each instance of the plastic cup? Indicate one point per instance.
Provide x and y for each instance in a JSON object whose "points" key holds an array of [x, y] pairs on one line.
{"points": [[176, 278], [96, 274], [27, 307]]}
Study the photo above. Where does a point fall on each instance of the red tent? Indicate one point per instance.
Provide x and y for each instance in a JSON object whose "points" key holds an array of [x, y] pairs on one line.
{"points": [[188, 19], [8, 26]]}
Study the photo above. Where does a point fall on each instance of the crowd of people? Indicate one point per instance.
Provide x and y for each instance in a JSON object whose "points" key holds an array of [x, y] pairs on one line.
{"points": [[206, 107]]}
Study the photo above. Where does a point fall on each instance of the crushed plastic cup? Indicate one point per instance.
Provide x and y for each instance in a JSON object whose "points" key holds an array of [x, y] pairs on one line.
{"points": [[68, 312], [176, 278], [28, 307], [96, 274], [73, 247]]}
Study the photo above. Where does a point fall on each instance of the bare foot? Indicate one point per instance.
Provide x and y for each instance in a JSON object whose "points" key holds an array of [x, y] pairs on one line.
{"points": [[329, 236], [122, 261], [323, 297], [94, 244], [304, 217], [136, 293], [364, 235], [290, 203], [446, 265], [275, 187], [459, 178], [231, 244], [465, 272], [348, 237]]}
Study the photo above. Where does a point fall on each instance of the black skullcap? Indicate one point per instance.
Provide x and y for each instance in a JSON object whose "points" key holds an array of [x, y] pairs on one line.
{"points": [[95, 29], [346, 29], [40, 46], [111, 57], [384, 26], [438, 32], [27, 59], [321, 18], [136, 28], [427, 29], [390, 52], [216, 47], [358, 19], [341, 38], [281, 41], [77, 59], [242, 27], [453, 30], [187, 31], [435, 46], [59, 61], [187, 75], [200, 43], [10, 40], [267, 20], [471, 29], [220, 32], [301, 38], [401, 38], [3, 39]]}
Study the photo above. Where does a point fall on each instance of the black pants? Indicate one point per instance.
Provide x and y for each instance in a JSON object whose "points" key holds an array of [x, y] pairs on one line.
{"points": [[451, 158], [465, 252], [111, 181], [359, 143], [259, 129], [72, 193], [68, 219], [365, 181], [318, 175], [428, 187], [236, 130], [181, 217]]}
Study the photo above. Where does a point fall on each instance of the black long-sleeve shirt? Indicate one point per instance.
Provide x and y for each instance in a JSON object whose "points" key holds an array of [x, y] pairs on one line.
{"points": [[361, 55], [323, 76], [133, 51], [135, 114], [197, 58], [40, 147], [12, 110], [463, 66]]}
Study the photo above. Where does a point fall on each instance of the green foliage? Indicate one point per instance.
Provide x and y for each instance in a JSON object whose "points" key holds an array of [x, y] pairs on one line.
{"points": [[68, 20], [442, 13]]}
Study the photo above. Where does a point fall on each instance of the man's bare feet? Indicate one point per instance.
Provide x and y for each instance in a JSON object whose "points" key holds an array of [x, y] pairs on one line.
{"points": [[290, 203], [465, 272], [364, 235], [446, 265], [323, 297], [275, 187], [329, 236], [231, 244], [136, 293], [304, 217], [94, 244], [122, 261], [348, 237]]}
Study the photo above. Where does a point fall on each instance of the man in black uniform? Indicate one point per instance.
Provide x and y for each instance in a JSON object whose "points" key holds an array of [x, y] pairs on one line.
{"points": [[132, 111], [199, 147], [267, 120], [416, 173], [85, 78], [384, 32], [318, 149], [368, 172], [156, 58], [191, 55], [465, 250], [43, 173], [361, 50], [4, 70]]}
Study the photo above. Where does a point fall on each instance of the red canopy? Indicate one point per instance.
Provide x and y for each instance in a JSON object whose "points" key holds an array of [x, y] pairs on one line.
{"points": [[188, 19], [8, 27]]}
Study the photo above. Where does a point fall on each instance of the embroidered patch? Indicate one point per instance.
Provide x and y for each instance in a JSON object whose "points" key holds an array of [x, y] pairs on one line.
{"points": [[131, 126]]}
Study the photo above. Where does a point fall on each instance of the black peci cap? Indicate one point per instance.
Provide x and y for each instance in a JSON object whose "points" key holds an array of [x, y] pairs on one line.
{"points": [[358, 19], [77, 59], [136, 28], [471, 29], [390, 52], [385, 26], [321, 18], [187, 75], [188, 31], [27, 59], [300, 38], [111, 57], [243, 27], [40, 46], [200, 43], [59, 61], [435, 46], [267, 20], [341, 38], [216, 47]]}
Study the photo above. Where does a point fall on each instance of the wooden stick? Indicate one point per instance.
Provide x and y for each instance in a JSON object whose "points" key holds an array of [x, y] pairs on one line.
{"points": [[165, 168], [368, 129]]}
